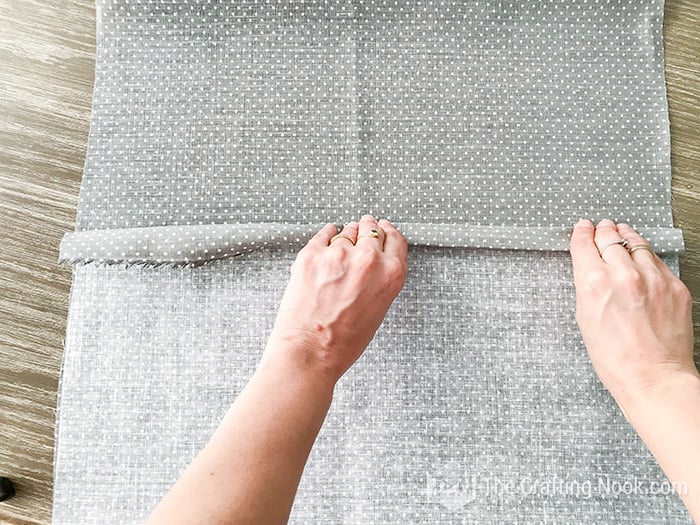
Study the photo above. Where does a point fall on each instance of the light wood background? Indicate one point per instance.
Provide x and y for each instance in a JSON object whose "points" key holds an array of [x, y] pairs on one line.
{"points": [[47, 55]]}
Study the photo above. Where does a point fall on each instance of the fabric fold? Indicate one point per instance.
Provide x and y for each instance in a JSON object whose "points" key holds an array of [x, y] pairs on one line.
{"points": [[198, 244], [220, 128]]}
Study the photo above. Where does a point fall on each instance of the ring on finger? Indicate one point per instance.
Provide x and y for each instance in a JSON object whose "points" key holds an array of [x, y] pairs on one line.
{"points": [[621, 242], [636, 247], [341, 236], [373, 234]]}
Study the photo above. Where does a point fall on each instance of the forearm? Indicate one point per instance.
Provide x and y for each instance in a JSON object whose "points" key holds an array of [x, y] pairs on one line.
{"points": [[667, 418], [250, 469], [337, 296]]}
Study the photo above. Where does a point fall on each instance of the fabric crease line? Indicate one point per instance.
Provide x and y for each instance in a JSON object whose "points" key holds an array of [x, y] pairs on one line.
{"points": [[193, 244]]}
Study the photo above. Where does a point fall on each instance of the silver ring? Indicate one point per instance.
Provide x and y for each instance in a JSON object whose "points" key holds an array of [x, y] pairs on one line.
{"points": [[621, 242]]}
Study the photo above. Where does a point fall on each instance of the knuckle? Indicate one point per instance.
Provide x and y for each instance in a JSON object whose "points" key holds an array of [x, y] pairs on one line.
{"points": [[302, 258], [681, 292], [396, 270], [335, 256], [594, 281], [630, 278], [307, 259], [657, 284], [368, 259]]}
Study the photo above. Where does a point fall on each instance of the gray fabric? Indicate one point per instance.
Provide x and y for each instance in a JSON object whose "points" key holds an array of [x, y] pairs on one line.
{"points": [[480, 112], [193, 245], [477, 124], [476, 379]]}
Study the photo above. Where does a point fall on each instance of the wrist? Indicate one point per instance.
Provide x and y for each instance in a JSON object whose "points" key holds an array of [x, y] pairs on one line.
{"points": [[640, 400], [296, 359]]}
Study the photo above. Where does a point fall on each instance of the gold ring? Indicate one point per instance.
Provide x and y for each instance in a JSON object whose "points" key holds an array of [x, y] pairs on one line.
{"points": [[373, 234], [341, 236], [646, 247]]}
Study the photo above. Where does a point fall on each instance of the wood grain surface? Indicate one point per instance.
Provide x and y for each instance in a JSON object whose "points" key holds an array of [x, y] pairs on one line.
{"points": [[47, 53], [47, 60]]}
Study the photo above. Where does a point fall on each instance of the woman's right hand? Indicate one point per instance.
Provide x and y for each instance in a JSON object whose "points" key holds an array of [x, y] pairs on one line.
{"points": [[339, 293], [634, 313]]}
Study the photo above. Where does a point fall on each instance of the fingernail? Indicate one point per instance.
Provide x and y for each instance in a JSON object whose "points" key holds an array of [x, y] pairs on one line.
{"points": [[584, 222], [606, 222]]}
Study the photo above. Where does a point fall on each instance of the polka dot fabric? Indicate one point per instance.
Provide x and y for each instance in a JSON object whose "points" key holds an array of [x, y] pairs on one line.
{"points": [[225, 128], [475, 403], [476, 114], [199, 244]]}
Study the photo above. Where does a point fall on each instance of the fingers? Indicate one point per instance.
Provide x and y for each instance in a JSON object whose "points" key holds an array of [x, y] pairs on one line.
{"points": [[365, 237], [394, 243], [323, 236], [389, 240], [643, 258], [605, 234], [634, 239], [346, 238], [584, 252]]}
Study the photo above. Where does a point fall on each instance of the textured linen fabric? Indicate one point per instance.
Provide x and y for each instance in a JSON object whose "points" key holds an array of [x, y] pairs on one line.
{"points": [[475, 402], [477, 112], [228, 132]]}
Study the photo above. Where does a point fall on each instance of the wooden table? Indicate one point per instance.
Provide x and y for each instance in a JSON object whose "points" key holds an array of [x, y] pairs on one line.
{"points": [[47, 58]]}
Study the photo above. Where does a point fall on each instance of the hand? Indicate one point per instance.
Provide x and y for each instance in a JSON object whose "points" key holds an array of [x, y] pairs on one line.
{"points": [[339, 292], [634, 313], [336, 299]]}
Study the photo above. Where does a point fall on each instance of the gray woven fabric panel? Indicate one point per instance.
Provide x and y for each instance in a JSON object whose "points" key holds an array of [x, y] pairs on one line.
{"points": [[237, 126], [478, 112], [475, 403]]}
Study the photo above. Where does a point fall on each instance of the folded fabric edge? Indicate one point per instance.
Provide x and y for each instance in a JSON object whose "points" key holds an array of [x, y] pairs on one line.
{"points": [[199, 244]]}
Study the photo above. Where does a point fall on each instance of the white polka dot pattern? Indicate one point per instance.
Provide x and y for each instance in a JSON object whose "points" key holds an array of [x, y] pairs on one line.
{"points": [[475, 403], [194, 245], [483, 114], [223, 127]]}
